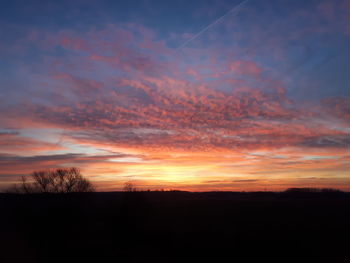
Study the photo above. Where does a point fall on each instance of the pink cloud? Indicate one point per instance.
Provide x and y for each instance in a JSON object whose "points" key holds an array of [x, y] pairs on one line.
{"points": [[245, 67]]}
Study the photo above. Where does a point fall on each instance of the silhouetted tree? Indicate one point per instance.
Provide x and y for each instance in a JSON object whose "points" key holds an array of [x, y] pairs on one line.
{"points": [[62, 180], [129, 187]]}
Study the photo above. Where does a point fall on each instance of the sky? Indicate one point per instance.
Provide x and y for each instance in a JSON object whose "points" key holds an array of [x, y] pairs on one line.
{"points": [[206, 95]]}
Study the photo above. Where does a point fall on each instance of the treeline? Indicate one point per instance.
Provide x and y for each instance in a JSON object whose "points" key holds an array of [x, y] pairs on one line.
{"points": [[70, 180]]}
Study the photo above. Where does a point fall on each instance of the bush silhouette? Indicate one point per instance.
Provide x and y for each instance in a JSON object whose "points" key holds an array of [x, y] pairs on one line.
{"points": [[62, 180]]}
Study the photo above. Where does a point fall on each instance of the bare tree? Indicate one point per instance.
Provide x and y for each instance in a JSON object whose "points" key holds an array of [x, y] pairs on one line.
{"points": [[129, 187], [63, 180]]}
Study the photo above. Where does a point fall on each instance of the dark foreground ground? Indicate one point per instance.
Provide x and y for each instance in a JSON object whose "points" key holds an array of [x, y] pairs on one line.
{"points": [[175, 227]]}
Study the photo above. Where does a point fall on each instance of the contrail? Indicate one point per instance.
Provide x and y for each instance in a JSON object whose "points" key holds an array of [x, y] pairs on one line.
{"points": [[212, 24]]}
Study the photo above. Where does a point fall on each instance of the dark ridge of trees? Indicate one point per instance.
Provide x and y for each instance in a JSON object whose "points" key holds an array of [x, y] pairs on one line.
{"points": [[129, 186], [62, 180], [312, 190]]}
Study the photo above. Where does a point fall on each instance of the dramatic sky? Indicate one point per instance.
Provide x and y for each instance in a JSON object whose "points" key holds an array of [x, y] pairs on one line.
{"points": [[191, 95]]}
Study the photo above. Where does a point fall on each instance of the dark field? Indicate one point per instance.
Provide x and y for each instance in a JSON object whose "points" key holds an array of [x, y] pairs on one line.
{"points": [[175, 227]]}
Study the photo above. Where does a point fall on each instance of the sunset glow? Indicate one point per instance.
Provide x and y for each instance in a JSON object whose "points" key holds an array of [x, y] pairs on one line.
{"points": [[260, 100]]}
